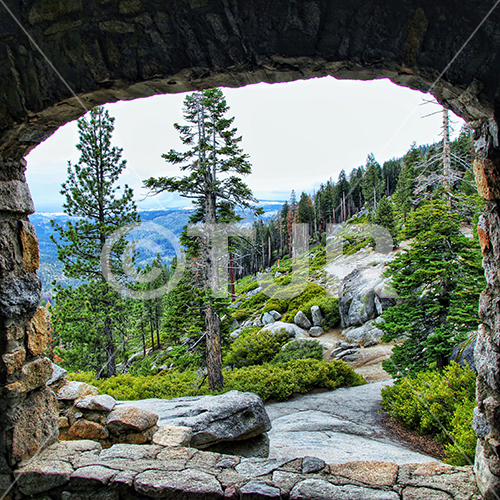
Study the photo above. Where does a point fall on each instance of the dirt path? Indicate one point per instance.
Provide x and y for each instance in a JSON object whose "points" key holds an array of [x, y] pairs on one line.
{"points": [[369, 362]]}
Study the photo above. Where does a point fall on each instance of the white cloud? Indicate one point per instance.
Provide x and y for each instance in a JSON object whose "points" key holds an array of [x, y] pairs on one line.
{"points": [[297, 134]]}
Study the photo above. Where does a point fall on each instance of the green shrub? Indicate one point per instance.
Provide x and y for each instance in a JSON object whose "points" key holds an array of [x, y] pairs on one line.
{"points": [[245, 285], [319, 260], [279, 305], [87, 377], [290, 314], [283, 280], [437, 402], [256, 300], [277, 289], [355, 246], [285, 265], [311, 291], [168, 384], [254, 347], [181, 357], [299, 349], [142, 367], [462, 449], [330, 308], [240, 314], [282, 380], [277, 381]]}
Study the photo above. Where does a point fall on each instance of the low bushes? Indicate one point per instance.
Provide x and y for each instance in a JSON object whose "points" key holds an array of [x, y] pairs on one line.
{"points": [[280, 381], [311, 292], [169, 384], [276, 381], [299, 349], [463, 446], [245, 285], [354, 245], [314, 295], [254, 347], [439, 403], [311, 295], [279, 305], [240, 314]]}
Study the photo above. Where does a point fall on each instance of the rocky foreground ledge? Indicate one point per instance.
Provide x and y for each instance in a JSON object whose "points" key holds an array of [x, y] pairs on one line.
{"points": [[82, 470]]}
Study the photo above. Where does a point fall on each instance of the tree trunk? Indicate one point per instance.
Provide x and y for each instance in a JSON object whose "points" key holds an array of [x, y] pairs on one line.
{"points": [[269, 252], [212, 322], [152, 335], [157, 324], [447, 155], [231, 276], [158, 345], [214, 351], [110, 349]]}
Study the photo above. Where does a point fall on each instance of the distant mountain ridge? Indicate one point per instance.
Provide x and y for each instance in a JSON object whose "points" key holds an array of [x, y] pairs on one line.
{"points": [[173, 219]]}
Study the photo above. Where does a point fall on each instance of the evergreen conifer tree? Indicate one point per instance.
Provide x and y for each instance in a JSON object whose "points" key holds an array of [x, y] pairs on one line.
{"points": [[306, 211], [385, 218], [373, 184], [214, 163], [86, 318], [403, 196], [341, 196], [438, 281]]}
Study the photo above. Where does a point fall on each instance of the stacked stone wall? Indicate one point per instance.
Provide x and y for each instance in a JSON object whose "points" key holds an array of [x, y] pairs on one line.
{"points": [[28, 410]]}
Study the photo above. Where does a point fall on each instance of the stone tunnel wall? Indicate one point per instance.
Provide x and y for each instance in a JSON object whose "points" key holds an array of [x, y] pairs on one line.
{"points": [[487, 353], [100, 51], [28, 410]]}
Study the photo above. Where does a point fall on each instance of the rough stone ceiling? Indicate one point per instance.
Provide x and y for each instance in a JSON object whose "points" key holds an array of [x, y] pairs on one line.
{"points": [[102, 51]]}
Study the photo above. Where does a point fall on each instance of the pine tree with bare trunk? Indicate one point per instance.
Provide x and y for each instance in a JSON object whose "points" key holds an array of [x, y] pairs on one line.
{"points": [[214, 164]]}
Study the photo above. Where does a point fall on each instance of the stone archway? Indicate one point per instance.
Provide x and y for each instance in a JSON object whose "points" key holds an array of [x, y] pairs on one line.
{"points": [[59, 58]]}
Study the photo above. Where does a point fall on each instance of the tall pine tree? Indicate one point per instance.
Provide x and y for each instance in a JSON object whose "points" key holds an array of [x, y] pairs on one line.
{"points": [[373, 184], [385, 218], [438, 281], [99, 208], [214, 164]]}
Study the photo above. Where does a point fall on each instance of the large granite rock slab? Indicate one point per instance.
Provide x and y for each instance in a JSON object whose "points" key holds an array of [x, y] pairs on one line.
{"points": [[365, 333], [294, 331], [228, 417], [336, 426], [39, 476], [323, 490], [178, 484], [363, 295]]}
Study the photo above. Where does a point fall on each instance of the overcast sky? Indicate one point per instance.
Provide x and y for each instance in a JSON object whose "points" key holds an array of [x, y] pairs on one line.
{"points": [[297, 134]]}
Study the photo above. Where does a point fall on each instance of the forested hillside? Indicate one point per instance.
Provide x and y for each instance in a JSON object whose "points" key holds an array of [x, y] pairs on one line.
{"points": [[172, 218], [251, 316]]}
